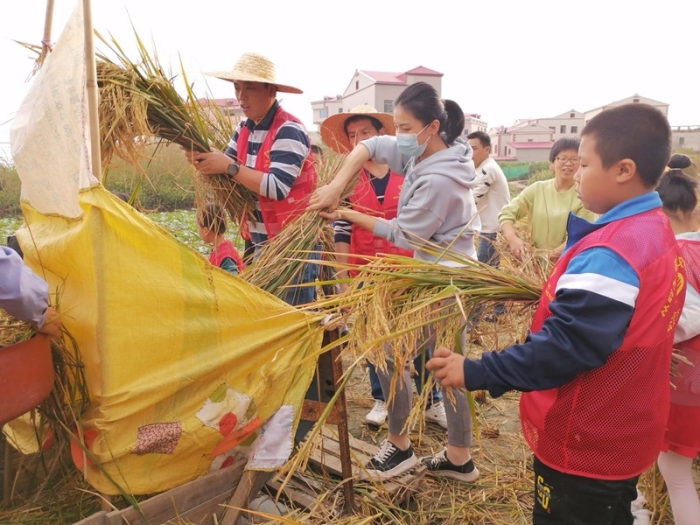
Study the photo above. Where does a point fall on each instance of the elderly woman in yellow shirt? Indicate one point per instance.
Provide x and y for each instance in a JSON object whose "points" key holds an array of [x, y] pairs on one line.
{"points": [[546, 204]]}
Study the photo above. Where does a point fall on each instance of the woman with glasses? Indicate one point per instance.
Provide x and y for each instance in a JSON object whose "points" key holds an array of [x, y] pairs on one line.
{"points": [[545, 205]]}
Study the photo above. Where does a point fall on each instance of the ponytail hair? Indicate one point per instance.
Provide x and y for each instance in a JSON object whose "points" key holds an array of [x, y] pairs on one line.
{"points": [[423, 102], [454, 123], [678, 191], [679, 161]]}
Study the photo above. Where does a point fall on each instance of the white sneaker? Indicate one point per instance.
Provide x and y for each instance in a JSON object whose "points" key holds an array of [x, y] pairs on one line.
{"points": [[436, 414], [377, 416]]}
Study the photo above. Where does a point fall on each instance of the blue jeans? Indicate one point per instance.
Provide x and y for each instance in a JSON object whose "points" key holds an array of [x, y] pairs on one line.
{"points": [[486, 253], [419, 378], [301, 294]]}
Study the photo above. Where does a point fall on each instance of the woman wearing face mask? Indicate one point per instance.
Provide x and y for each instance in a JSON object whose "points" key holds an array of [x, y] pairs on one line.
{"points": [[436, 208]]}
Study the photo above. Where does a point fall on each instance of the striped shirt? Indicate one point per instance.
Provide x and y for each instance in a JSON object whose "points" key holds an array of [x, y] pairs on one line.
{"points": [[287, 153], [342, 230]]}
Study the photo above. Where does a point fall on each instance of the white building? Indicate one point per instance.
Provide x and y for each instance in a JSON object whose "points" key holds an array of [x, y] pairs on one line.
{"points": [[378, 89]]}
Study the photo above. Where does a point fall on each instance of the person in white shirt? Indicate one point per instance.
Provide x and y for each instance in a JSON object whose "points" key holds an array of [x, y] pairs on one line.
{"points": [[491, 193]]}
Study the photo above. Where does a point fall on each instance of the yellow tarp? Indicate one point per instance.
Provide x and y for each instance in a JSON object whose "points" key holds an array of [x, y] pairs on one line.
{"points": [[183, 361], [164, 336]]}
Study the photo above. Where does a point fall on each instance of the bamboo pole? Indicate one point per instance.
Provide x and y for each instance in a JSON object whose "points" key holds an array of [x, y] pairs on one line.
{"points": [[48, 22], [92, 92]]}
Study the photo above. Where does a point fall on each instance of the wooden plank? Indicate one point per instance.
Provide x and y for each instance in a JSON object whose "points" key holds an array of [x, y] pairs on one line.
{"points": [[299, 494], [96, 519], [343, 431], [326, 457], [205, 513], [172, 503], [250, 483]]}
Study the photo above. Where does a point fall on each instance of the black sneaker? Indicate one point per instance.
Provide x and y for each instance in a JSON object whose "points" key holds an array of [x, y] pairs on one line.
{"points": [[389, 461], [439, 465]]}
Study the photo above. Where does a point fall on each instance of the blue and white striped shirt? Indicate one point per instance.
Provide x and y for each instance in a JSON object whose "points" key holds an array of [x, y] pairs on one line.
{"points": [[287, 153]]}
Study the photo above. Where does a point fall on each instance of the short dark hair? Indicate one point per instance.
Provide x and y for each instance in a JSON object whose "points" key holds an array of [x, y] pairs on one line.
{"points": [[123, 196], [563, 144], [678, 191], [639, 132], [212, 216], [315, 148], [423, 102], [376, 124], [482, 137]]}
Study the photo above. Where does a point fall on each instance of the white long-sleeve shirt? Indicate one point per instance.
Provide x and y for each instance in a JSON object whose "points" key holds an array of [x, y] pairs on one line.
{"points": [[491, 193], [22, 294]]}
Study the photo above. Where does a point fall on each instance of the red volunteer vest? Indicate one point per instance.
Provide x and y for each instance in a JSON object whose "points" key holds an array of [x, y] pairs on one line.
{"points": [[687, 381], [276, 214], [608, 423], [364, 199], [223, 250]]}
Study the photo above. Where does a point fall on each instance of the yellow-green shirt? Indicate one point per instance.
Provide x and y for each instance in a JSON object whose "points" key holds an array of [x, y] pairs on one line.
{"points": [[546, 210]]}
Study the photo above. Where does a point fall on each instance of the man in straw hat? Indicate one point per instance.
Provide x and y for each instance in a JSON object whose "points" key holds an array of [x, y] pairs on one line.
{"points": [[269, 153], [376, 193]]}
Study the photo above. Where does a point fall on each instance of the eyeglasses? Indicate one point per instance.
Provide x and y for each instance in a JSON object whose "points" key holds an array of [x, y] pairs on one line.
{"points": [[564, 160]]}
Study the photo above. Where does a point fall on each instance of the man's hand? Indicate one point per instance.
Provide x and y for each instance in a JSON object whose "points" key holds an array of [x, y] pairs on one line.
{"points": [[214, 162], [52, 323], [325, 197], [447, 367]]}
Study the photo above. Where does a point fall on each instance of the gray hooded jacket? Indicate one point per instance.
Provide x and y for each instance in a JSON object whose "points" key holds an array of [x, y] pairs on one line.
{"points": [[436, 203]]}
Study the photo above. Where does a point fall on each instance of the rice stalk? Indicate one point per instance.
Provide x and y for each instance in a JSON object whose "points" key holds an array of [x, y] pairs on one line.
{"points": [[139, 103], [283, 257]]}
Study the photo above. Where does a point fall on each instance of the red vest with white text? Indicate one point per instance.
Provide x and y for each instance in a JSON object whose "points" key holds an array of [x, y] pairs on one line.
{"points": [[687, 377], [364, 199], [608, 423], [277, 213]]}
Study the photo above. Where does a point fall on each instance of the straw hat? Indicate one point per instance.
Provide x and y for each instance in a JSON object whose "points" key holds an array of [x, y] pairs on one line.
{"points": [[252, 67], [333, 128]]}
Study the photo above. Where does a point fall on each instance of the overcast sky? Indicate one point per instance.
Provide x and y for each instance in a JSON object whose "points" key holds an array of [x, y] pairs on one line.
{"points": [[504, 59]]}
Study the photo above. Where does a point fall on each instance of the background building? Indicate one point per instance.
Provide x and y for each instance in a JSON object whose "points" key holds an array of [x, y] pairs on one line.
{"points": [[529, 140], [473, 122], [378, 89]]}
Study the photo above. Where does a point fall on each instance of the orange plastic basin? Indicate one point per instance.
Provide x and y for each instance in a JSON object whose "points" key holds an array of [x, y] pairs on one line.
{"points": [[26, 376]]}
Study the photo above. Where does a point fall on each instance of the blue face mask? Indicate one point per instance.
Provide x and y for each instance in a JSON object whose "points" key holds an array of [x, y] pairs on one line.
{"points": [[408, 143]]}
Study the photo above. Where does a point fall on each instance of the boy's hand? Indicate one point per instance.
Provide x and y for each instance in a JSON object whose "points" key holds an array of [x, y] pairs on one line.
{"points": [[447, 367]]}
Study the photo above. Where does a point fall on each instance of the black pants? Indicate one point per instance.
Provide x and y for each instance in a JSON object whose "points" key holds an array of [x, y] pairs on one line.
{"points": [[566, 499]]}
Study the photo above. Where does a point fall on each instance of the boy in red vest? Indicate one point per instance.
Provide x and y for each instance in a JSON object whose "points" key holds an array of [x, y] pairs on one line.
{"points": [[376, 193], [211, 227], [594, 368], [270, 154]]}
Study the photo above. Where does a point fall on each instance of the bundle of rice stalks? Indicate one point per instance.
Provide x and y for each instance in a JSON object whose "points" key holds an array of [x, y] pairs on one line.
{"points": [[283, 258], [138, 102], [399, 303], [13, 331]]}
